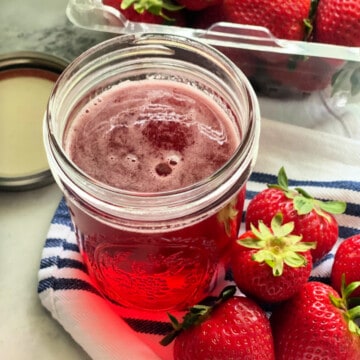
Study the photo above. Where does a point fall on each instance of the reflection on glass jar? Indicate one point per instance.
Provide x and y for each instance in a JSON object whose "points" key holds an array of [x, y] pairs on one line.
{"points": [[152, 139]]}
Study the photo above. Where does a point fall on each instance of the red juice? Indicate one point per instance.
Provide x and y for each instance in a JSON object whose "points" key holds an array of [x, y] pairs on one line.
{"points": [[152, 137]]}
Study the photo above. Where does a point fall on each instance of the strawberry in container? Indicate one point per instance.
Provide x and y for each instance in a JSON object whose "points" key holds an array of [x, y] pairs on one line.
{"points": [[273, 73], [150, 11]]}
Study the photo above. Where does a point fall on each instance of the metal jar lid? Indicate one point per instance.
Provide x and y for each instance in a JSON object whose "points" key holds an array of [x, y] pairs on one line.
{"points": [[40, 66]]}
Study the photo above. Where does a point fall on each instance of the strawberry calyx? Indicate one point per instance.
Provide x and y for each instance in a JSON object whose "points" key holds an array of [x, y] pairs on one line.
{"points": [[308, 22], [276, 245], [227, 215], [154, 7], [196, 315], [349, 306], [305, 203]]}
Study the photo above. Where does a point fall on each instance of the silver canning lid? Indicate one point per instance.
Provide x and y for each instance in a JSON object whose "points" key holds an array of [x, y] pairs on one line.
{"points": [[39, 64]]}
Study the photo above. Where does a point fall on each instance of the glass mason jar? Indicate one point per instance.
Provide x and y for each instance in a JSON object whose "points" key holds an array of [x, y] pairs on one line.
{"points": [[154, 250]]}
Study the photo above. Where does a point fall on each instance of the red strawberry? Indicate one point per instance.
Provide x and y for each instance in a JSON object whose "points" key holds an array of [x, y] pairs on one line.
{"points": [[316, 324], [304, 74], [347, 263], [149, 11], [235, 328], [198, 4], [284, 19], [271, 264], [338, 22], [312, 218]]}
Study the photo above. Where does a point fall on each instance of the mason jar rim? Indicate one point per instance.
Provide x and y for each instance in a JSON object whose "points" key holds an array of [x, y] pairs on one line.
{"points": [[175, 199]]}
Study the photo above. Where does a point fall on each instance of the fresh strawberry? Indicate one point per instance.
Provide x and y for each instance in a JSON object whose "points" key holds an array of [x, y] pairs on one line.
{"points": [[234, 328], [303, 74], [313, 219], [284, 19], [198, 4], [338, 22], [316, 324], [149, 11], [347, 263], [228, 220], [271, 264]]}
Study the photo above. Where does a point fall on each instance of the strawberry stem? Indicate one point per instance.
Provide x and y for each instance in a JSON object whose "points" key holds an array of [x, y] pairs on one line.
{"points": [[196, 315], [154, 7], [276, 245], [309, 21], [303, 202], [351, 313]]}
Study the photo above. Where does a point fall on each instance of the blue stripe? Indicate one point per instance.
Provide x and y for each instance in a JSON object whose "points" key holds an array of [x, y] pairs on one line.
{"points": [[326, 257], [149, 326], [65, 284], [62, 215], [272, 179], [353, 209], [57, 242], [48, 262], [345, 232], [62, 263]]}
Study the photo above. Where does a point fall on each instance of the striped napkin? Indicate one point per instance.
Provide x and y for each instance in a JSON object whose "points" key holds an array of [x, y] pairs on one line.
{"points": [[324, 164]]}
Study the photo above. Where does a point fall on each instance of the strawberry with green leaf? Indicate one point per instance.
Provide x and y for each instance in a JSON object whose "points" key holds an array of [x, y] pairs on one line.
{"points": [[150, 11], [232, 328], [347, 263], [313, 219], [270, 264], [317, 323]]}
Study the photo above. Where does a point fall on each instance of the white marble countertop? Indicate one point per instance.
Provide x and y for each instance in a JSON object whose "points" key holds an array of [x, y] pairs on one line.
{"points": [[27, 330]]}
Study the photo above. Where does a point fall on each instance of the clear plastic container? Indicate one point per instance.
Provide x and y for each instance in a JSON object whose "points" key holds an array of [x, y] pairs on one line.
{"points": [[154, 250], [307, 84]]}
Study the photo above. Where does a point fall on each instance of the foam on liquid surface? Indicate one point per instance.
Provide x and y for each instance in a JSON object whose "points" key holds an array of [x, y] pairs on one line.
{"points": [[150, 136]]}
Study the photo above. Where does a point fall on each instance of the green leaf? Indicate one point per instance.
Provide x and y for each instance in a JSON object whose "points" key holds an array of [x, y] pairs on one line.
{"points": [[303, 246], [353, 327], [154, 7], [277, 267], [337, 302], [278, 229], [264, 255], [303, 193], [227, 293], [196, 315], [349, 289], [262, 233], [283, 179], [294, 260], [303, 205], [333, 207], [174, 321], [251, 243]]}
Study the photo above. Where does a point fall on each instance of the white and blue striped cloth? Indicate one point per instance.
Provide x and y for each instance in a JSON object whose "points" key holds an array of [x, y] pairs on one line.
{"points": [[325, 165]]}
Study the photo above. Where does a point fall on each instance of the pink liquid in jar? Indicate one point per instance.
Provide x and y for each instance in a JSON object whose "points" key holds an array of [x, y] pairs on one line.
{"points": [[153, 137]]}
